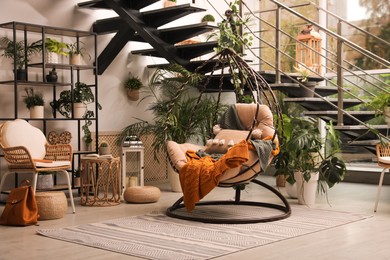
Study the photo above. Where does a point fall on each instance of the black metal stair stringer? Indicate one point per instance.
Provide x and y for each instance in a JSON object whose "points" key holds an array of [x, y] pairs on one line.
{"points": [[134, 19]]}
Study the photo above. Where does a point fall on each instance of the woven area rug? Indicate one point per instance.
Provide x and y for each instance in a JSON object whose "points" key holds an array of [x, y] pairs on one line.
{"points": [[156, 236]]}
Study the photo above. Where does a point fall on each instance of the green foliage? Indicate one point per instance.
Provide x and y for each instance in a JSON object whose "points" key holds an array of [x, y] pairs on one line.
{"points": [[303, 150], [103, 144], [208, 18], [133, 82], [81, 93], [77, 48], [55, 46], [382, 100], [32, 98], [18, 52]]}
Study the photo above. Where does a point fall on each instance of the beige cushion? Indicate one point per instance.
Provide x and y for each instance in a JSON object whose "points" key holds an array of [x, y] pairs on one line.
{"points": [[385, 159], [177, 152], [227, 135], [20, 133]]}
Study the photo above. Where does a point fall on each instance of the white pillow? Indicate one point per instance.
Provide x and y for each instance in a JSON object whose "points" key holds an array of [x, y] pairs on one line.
{"points": [[20, 133]]}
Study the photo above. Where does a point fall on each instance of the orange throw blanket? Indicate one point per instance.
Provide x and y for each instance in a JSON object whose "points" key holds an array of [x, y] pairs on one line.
{"points": [[201, 174]]}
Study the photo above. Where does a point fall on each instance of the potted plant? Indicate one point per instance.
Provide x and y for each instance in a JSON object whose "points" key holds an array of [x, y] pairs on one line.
{"points": [[133, 85], [82, 96], [381, 102], [34, 102], [104, 148], [185, 120], [54, 48], [307, 159], [77, 53], [169, 3], [303, 77], [20, 54], [208, 18], [52, 76], [76, 178]]}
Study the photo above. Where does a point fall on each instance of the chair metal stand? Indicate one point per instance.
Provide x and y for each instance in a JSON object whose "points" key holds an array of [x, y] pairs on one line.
{"points": [[285, 208]]}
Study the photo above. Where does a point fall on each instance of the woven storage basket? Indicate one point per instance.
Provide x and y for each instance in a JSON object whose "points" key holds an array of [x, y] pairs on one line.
{"points": [[51, 205], [142, 194]]}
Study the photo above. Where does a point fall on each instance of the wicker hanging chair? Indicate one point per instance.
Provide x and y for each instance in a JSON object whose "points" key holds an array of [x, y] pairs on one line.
{"points": [[265, 110]]}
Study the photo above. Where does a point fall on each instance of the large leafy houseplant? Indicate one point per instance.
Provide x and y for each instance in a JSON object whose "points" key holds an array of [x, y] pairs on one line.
{"points": [[81, 93], [187, 119], [305, 151]]}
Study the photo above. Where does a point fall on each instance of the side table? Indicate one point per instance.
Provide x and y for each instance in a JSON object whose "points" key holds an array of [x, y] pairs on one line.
{"points": [[100, 181]]}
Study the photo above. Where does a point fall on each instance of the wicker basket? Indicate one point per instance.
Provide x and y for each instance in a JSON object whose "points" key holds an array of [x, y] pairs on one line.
{"points": [[51, 205], [142, 194]]}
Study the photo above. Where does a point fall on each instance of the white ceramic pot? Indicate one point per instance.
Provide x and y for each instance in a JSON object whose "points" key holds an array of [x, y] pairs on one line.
{"points": [[291, 190], [174, 180], [306, 191], [79, 110], [37, 112], [51, 57]]}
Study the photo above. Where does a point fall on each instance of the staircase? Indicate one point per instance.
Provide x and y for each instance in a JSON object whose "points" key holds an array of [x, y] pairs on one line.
{"points": [[331, 101]]}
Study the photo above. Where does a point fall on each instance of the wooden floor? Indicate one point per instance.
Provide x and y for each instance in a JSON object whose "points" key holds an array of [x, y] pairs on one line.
{"points": [[367, 239]]}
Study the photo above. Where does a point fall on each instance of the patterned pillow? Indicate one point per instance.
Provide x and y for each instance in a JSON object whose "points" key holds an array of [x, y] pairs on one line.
{"points": [[225, 139]]}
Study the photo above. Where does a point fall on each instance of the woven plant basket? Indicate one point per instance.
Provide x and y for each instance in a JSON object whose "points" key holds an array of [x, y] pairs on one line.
{"points": [[51, 205]]}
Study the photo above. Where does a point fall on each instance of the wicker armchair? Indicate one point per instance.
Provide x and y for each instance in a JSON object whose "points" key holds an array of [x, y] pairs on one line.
{"points": [[383, 156], [26, 151]]}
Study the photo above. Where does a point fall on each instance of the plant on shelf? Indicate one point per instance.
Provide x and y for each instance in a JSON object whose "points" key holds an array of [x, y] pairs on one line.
{"points": [[54, 48], [34, 102], [82, 96], [133, 85], [208, 18], [304, 155], [76, 52], [104, 148], [20, 54], [52, 76]]}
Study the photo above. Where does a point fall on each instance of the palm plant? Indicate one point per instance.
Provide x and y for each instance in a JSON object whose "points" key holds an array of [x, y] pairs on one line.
{"points": [[19, 52]]}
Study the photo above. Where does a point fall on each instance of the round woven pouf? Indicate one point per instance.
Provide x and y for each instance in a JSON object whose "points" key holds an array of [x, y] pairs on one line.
{"points": [[142, 194], [51, 205]]}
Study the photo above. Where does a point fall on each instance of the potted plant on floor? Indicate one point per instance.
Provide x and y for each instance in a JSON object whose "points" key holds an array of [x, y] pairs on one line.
{"points": [[133, 85], [20, 54], [308, 160], [54, 48], [34, 102]]}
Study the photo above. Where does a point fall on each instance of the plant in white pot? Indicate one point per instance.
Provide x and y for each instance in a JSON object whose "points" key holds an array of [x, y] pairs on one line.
{"points": [[34, 102], [77, 52], [54, 48], [104, 148], [308, 160]]}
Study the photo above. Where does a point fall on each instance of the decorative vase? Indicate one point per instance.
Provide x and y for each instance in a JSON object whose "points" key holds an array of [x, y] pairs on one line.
{"points": [[306, 190], [79, 110], [174, 180], [51, 77], [75, 59], [45, 181], [36, 112], [133, 94], [51, 57]]}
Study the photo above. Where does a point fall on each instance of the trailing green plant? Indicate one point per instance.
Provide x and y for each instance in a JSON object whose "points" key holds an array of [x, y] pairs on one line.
{"points": [[33, 98], [133, 82], [19, 52], [55, 46], [81, 93]]}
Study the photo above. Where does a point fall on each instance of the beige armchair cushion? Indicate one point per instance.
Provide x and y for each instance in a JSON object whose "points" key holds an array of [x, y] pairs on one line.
{"points": [[20, 133]]}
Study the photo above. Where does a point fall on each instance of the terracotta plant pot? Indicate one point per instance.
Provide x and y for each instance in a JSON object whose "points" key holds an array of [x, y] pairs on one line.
{"points": [[133, 94], [75, 59], [169, 3]]}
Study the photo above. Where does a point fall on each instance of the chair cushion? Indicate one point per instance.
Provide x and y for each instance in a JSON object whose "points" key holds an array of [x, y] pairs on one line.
{"points": [[20, 133], [227, 135], [384, 159]]}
